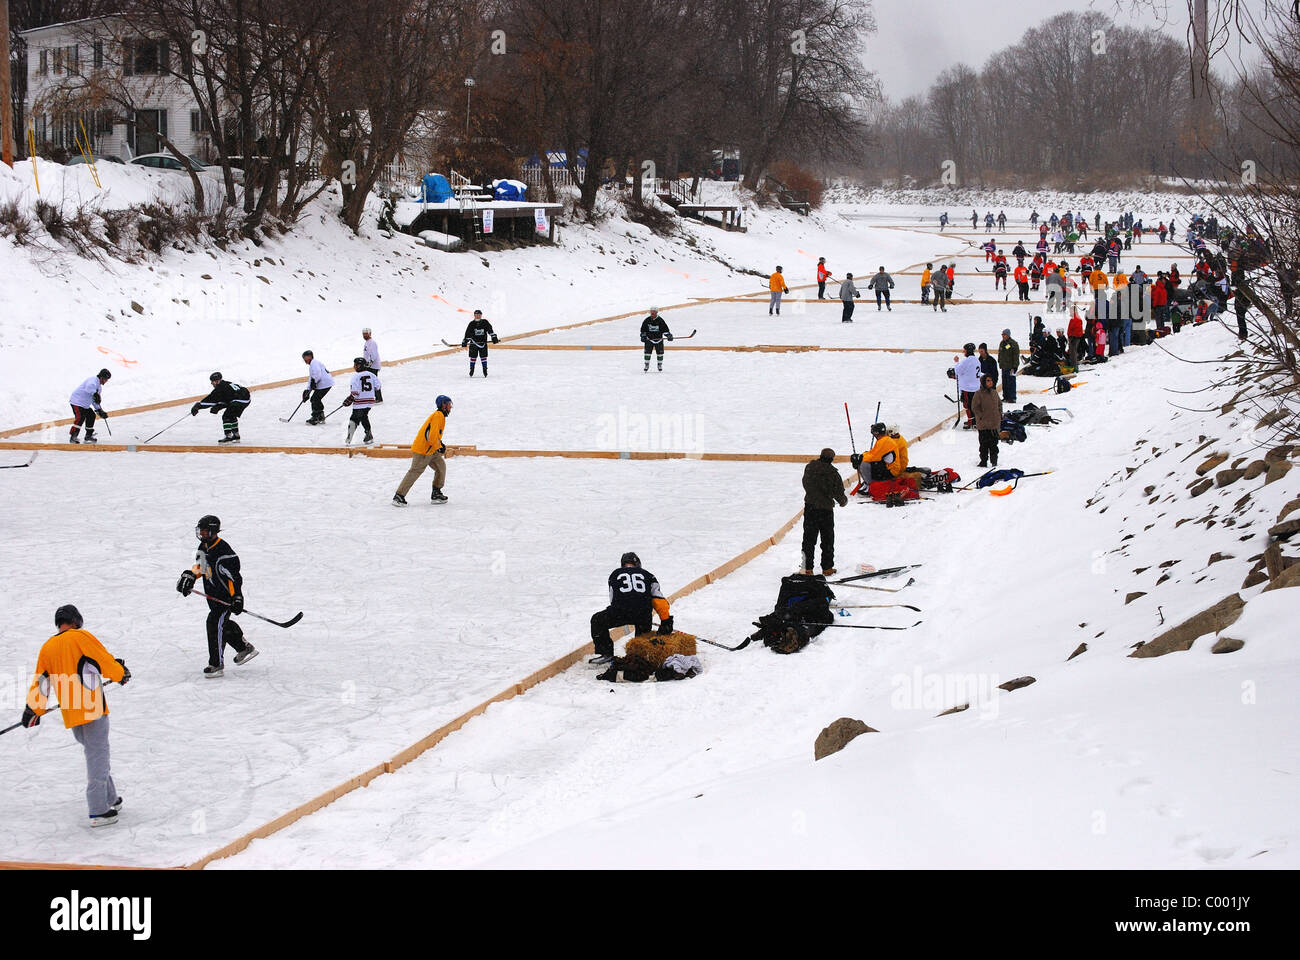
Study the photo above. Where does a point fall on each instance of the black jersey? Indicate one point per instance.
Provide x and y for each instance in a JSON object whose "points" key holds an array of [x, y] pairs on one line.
{"points": [[653, 329], [224, 394], [219, 567], [632, 590], [478, 332]]}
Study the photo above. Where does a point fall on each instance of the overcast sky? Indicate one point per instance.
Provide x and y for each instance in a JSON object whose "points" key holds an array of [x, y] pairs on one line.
{"points": [[917, 39]]}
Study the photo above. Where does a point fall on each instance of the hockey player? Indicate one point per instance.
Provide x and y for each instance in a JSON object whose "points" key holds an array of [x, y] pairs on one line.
{"points": [[884, 461], [776, 286], [823, 275], [476, 338], [634, 596], [223, 585], [363, 395], [85, 404], [228, 397], [967, 374], [1002, 220], [999, 271], [370, 351], [319, 382], [427, 450], [881, 283], [654, 331], [73, 665]]}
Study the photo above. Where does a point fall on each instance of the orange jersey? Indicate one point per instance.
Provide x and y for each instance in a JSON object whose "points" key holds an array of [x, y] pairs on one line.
{"points": [[73, 665], [429, 439], [777, 282]]}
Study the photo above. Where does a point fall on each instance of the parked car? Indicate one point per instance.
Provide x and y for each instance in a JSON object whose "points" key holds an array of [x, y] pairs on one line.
{"points": [[107, 156], [165, 161]]}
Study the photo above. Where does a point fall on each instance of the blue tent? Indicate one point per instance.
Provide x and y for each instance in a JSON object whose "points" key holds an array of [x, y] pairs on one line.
{"points": [[435, 188], [508, 190]]}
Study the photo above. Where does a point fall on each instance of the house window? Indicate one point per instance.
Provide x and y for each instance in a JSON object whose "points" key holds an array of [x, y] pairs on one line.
{"points": [[197, 122], [73, 60], [44, 67], [144, 57], [41, 129], [58, 60], [99, 54]]}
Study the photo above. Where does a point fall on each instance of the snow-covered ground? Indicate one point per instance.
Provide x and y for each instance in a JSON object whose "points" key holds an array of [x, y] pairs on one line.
{"points": [[413, 616]]}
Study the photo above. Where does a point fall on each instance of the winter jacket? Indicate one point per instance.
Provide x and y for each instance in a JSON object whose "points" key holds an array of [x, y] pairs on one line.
{"points": [[925, 277], [887, 451], [988, 368], [847, 290], [72, 666], [777, 282], [429, 439], [881, 281], [1098, 280], [1075, 329], [986, 406], [1009, 355], [822, 273], [823, 487], [939, 279], [968, 374]]}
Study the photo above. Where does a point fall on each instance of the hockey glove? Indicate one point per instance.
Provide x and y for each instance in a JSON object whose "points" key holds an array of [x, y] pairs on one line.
{"points": [[126, 674], [464, 344], [96, 397], [443, 448], [856, 461], [668, 337], [185, 585], [306, 395], [30, 718], [194, 410], [347, 401], [237, 604], [666, 626], [495, 340]]}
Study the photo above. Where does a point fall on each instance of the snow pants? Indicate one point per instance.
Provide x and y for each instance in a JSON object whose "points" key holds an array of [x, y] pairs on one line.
{"points": [[100, 791], [606, 620], [818, 523]]}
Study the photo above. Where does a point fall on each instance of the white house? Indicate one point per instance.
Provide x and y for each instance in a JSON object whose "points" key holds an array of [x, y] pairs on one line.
{"points": [[106, 76]]}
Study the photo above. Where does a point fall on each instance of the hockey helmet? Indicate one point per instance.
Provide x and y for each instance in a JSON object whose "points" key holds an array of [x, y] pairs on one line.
{"points": [[629, 559]]}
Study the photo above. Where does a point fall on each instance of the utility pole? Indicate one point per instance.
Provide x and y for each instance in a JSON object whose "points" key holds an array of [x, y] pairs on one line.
{"points": [[1203, 110], [6, 96], [469, 82]]}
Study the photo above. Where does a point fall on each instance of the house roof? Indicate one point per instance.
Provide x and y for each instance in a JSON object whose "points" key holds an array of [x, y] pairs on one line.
{"points": [[68, 23]]}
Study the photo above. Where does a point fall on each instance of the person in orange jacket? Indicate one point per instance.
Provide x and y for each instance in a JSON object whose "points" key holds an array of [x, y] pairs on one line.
{"points": [[74, 666], [427, 450], [823, 274], [883, 461], [1022, 282], [776, 284], [925, 282]]}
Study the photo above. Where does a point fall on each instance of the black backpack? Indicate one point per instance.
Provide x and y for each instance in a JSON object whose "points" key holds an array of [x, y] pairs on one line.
{"points": [[803, 608]]}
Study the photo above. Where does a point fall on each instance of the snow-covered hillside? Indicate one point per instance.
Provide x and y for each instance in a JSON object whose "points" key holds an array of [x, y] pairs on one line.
{"points": [[413, 617]]}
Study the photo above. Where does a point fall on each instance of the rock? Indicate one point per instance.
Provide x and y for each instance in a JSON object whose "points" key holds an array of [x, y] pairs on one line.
{"points": [[1200, 486], [1227, 645], [1211, 463], [1291, 507], [1016, 684], [834, 738], [956, 709], [262, 278], [1146, 492], [1081, 648], [1254, 579], [1284, 531], [1163, 578], [136, 307], [1289, 577], [1129, 598], [1212, 620], [1137, 570], [206, 276], [1227, 408], [1271, 418], [1255, 468], [1277, 471], [1216, 557], [1279, 453], [1225, 477], [1238, 462], [1168, 563]]}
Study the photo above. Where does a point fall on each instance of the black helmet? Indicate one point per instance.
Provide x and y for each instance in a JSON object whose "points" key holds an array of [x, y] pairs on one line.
{"points": [[879, 430], [209, 523], [104, 374], [358, 363], [629, 558], [68, 614], [216, 375], [969, 348]]}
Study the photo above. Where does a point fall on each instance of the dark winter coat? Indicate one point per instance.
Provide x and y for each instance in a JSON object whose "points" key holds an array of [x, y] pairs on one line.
{"points": [[986, 405], [988, 368], [823, 487], [1009, 354]]}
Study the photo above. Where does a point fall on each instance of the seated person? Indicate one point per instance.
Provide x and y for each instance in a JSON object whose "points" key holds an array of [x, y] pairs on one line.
{"points": [[882, 461]]}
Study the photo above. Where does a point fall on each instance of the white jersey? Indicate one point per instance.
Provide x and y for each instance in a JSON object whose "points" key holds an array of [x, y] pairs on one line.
{"points": [[364, 385], [371, 353], [319, 377], [968, 374], [84, 395]]}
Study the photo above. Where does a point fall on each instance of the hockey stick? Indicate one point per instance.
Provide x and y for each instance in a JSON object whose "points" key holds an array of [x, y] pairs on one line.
{"points": [[887, 572], [286, 624], [332, 412], [295, 412], [104, 418], [49, 708], [687, 337], [863, 586], [744, 643], [454, 346], [854, 626], [19, 466], [876, 606], [164, 429]]}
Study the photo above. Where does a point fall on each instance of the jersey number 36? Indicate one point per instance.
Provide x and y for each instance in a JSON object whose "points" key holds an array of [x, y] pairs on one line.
{"points": [[632, 583]]}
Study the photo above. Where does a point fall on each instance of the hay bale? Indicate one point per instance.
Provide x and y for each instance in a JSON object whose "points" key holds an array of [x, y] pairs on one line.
{"points": [[648, 651]]}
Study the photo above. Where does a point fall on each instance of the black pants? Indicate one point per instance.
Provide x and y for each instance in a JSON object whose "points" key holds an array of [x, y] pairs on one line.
{"points": [[879, 294], [818, 523], [360, 416], [966, 396], [821, 289], [1241, 309], [847, 315], [656, 347], [1024, 289], [223, 631], [988, 447], [940, 298], [230, 415], [83, 416], [606, 620], [318, 403], [1009, 386]]}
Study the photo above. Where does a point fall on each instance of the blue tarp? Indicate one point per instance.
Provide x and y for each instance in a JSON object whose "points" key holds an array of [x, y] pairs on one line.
{"points": [[435, 188], [508, 190]]}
